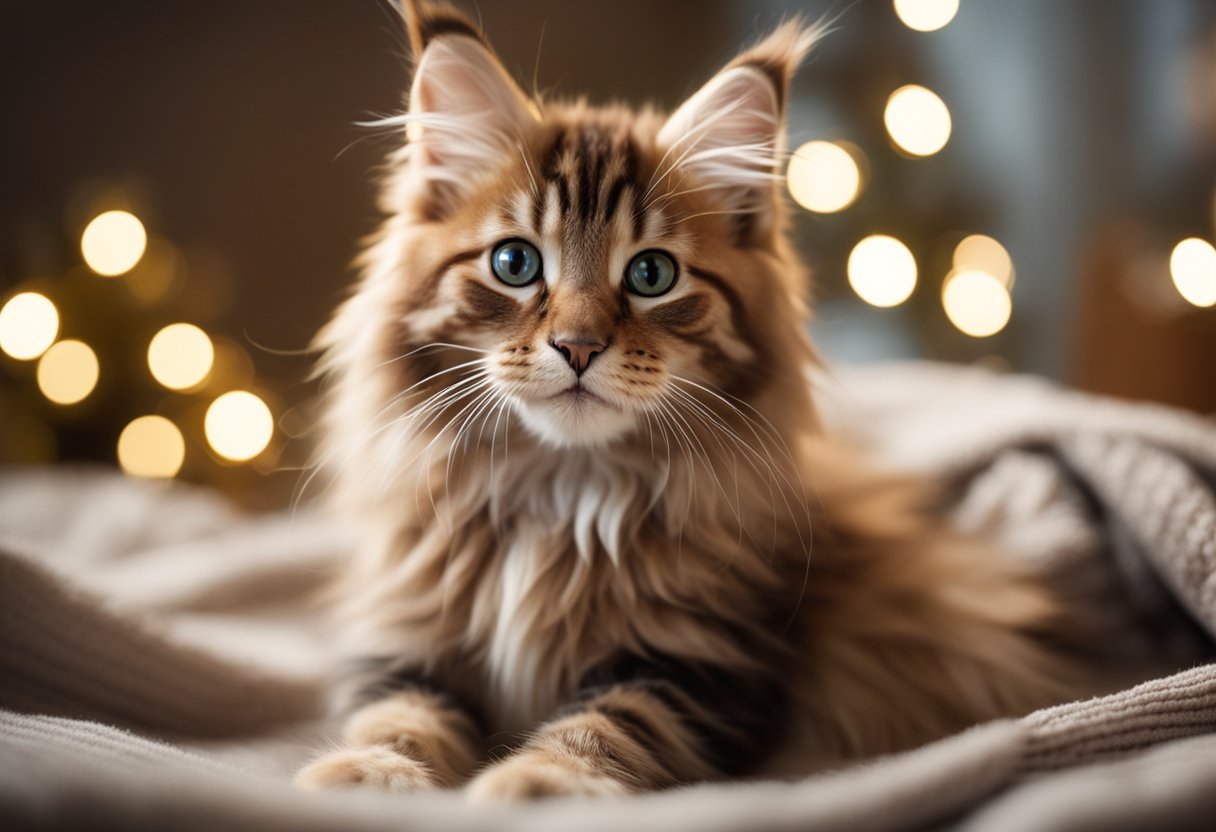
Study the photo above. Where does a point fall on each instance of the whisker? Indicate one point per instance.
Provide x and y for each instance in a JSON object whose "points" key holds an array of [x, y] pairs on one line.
{"points": [[352, 445], [801, 488], [531, 176], [783, 475]]}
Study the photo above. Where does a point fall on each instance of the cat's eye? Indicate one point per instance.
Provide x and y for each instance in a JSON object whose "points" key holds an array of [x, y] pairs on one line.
{"points": [[651, 273], [515, 262]]}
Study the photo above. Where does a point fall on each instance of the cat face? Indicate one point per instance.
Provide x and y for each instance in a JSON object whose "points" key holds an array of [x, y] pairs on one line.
{"points": [[589, 295], [594, 273]]}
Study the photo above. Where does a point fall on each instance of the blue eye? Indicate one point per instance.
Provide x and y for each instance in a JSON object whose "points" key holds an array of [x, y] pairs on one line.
{"points": [[651, 273], [515, 262]]}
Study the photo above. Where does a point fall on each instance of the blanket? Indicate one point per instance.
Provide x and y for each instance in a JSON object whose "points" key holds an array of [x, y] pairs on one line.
{"points": [[163, 656]]}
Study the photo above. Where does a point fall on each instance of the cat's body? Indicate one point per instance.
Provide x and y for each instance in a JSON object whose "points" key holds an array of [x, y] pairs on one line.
{"points": [[570, 413]]}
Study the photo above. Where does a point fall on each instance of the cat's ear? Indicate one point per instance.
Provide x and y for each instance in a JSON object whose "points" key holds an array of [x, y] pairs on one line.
{"points": [[465, 110], [731, 133]]}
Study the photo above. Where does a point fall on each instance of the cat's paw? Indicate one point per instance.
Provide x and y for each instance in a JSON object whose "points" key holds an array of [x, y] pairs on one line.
{"points": [[521, 778], [373, 767]]}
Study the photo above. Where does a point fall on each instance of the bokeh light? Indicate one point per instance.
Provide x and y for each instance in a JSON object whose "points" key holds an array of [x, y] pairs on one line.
{"points": [[151, 446], [977, 303], [823, 177], [180, 356], [926, 15], [238, 425], [917, 120], [113, 242], [67, 372], [882, 271], [29, 323], [1193, 267], [980, 253]]}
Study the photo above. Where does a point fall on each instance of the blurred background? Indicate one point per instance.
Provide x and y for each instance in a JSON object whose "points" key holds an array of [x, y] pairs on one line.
{"points": [[1030, 186]]}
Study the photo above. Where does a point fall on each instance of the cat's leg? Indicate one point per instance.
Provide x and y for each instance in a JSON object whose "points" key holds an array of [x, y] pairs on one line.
{"points": [[656, 725], [413, 738]]}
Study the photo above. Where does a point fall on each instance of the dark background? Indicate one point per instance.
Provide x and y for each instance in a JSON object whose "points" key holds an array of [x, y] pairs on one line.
{"points": [[1083, 139]]}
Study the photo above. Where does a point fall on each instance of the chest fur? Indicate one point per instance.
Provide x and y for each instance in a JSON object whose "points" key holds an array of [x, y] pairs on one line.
{"points": [[558, 570]]}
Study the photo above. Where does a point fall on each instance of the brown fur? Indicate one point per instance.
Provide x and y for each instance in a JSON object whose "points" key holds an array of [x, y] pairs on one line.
{"points": [[646, 589]]}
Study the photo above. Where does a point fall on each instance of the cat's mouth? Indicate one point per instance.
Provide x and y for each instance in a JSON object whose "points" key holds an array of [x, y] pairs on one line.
{"points": [[578, 394], [575, 416]]}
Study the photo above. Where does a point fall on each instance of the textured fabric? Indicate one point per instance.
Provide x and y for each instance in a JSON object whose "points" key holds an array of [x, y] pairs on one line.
{"points": [[162, 657]]}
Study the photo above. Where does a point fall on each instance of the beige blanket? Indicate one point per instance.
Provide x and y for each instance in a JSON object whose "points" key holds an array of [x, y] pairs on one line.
{"points": [[162, 658]]}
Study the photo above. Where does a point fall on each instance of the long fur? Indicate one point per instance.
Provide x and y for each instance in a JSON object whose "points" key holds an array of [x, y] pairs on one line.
{"points": [[646, 573]]}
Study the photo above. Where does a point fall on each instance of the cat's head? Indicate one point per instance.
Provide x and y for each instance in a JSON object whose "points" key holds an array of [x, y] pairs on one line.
{"points": [[593, 271]]}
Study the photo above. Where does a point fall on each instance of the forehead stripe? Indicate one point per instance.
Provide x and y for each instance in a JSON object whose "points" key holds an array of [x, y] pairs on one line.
{"points": [[591, 167], [539, 197], [585, 185], [628, 176]]}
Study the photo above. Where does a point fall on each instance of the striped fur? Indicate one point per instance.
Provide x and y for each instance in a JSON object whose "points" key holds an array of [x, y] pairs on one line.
{"points": [[646, 574]]}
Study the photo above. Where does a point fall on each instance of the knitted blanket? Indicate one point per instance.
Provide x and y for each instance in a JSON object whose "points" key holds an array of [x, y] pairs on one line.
{"points": [[163, 657]]}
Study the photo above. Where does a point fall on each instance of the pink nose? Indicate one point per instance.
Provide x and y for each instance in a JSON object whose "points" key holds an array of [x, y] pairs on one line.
{"points": [[578, 352]]}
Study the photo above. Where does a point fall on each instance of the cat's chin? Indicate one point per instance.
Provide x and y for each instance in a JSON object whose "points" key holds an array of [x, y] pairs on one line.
{"points": [[568, 422]]}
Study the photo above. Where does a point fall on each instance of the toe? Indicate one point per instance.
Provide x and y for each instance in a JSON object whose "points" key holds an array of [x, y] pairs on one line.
{"points": [[374, 767]]}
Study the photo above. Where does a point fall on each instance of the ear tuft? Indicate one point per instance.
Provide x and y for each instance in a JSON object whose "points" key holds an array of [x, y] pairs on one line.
{"points": [[426, 21], [466, 114], [730, 133], [780, 54]]}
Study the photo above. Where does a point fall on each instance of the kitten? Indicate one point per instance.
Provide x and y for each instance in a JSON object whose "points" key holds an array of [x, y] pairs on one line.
{"points": [[569, 412]]}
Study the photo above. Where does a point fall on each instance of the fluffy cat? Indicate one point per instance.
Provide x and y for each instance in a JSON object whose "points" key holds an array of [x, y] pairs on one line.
{"points": [[602, 535]]}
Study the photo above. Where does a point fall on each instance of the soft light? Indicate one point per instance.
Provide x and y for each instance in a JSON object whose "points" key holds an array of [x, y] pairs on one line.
{"points": [[980, 253], [29, 323], [977, 303], [926, 15], [67, 372], [1193, 267], [151, 446], [917, 120], [238, 425], [113, 243], [882, 271], [823, 177], [180, 356]]}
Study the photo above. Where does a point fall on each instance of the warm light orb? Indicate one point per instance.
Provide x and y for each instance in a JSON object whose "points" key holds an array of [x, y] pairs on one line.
{"points": [[977, 303], [980, 253], [151, 446], [29, 323], [917, 120], [823, 177], [113, 243], [926, 15], [882, 271], [67, 372], [1193, 267], [180, 356], [238, 425]]}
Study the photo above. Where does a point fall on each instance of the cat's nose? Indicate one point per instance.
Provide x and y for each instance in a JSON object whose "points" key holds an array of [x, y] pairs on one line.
{"points": [[578, 352]]}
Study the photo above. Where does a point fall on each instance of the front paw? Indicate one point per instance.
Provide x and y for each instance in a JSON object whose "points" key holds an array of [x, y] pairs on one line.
{"points": [[524, 778], [374, 767]]}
